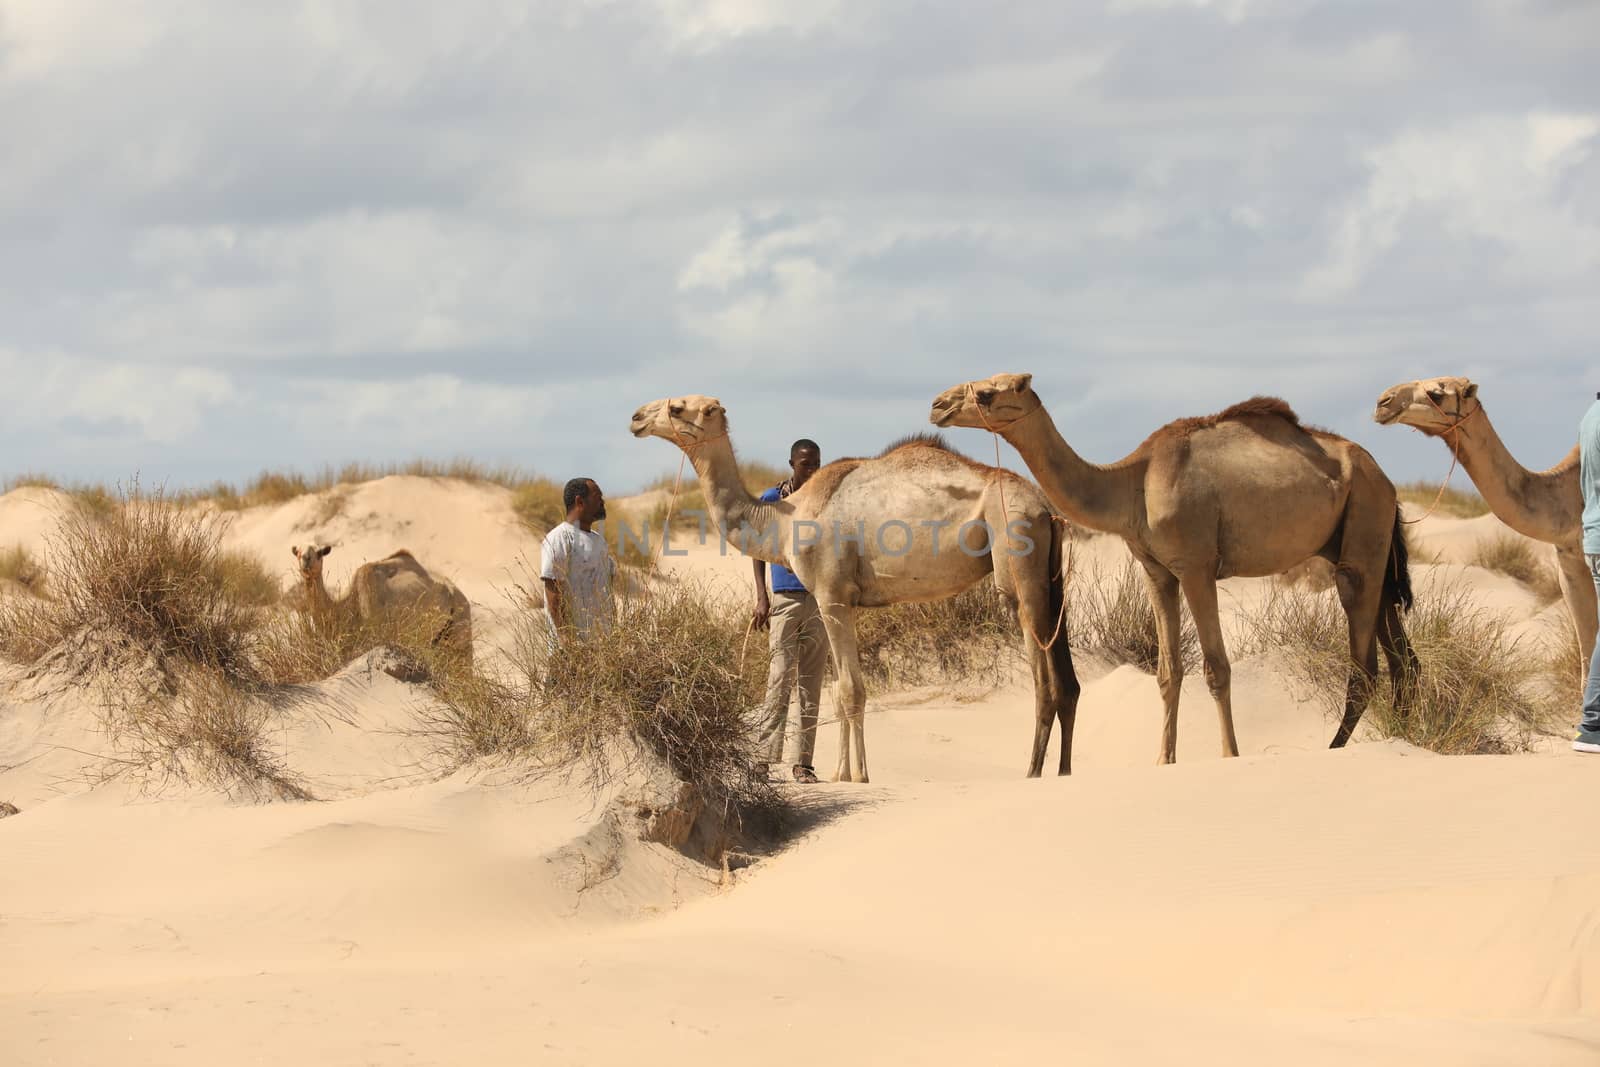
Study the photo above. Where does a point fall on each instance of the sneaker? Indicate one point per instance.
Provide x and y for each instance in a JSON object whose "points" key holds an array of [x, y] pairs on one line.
{"points": [[805, 774], [1586, 741]]}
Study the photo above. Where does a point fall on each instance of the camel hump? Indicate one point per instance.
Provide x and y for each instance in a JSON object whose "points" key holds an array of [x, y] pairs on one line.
{"points": [[1267, 406], [1260, 405], [919, 440], [401, 553]]}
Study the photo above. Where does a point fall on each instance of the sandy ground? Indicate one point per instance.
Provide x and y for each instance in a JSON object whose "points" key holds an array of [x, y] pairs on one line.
{"points": [[1378, 904]]}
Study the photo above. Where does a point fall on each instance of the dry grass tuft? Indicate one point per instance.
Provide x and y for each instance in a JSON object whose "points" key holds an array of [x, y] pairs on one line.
{"points": [[1479, 687], [29, 481], [1455, 503], [18, 565], [1111, 615], [146, 573], [673, 677], [1516, 557], [537, 503], [971, 639]]}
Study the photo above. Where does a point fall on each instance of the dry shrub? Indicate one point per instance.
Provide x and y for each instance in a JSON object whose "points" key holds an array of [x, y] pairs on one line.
{"points": [[1112, 615], [673, 676], [147, 573], [537, 502], [210, 731], [245, 580], [1564, 669], [94, 501], [1455, 503], [1479, 687], [1516, 557], [969, 639], [30, 481], [151, 612], [18, 565], [296, 648]]}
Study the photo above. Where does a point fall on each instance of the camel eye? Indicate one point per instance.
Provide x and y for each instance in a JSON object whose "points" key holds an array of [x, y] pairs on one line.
{"points": [[1436, 394], [675, 410], [985, 396]]}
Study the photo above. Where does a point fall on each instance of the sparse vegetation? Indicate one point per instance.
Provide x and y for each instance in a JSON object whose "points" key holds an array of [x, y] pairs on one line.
{"points": [[245, 580], [672, 677], [18, 565], [1454, 503], [971, 639], [1516, 557], [30, 481], [537, 502], [1479, 688], [1111, 615]]}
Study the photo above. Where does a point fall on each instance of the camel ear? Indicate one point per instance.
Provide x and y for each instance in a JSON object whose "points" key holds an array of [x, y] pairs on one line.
{"points": [[1023, 381], [324, 550], [295, 549], [1470, 391]]}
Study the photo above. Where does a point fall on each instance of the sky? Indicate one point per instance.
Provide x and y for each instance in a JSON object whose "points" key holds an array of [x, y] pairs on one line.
{"points": [[241, 236]]}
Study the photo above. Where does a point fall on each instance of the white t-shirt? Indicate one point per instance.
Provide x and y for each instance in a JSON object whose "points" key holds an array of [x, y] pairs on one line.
{"points": [[582, 563]]}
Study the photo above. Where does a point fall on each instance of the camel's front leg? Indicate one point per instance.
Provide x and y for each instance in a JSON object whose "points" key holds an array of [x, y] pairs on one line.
{"points": [[1577, 589], [850, 697], [1163, 588], [1201, 592]]}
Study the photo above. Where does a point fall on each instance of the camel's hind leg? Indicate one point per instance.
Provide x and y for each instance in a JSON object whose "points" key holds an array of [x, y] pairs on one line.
{"points": [[850, 694], [1028, 575], [1404, 667], [1200, 590], [1163, 588], [1577, 589], [1359, 579]]}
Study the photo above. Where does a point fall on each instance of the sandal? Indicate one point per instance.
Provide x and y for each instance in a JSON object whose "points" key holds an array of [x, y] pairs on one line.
{"points": [[805, 774]]}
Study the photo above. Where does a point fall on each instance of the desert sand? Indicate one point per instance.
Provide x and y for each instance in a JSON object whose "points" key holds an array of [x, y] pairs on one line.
{"points": [[1376, 904]]}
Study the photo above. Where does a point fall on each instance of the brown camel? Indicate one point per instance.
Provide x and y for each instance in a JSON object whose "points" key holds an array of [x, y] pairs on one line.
{"points": [[864, 533], [1248, 492], [1544, 505], [385, 589]]}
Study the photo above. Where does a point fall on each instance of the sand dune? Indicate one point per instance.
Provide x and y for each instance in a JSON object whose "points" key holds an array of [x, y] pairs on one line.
{"points": [[1378, 904]]}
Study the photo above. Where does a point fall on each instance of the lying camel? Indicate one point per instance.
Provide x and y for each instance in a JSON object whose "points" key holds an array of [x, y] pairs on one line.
{"points": [[386, 589]]}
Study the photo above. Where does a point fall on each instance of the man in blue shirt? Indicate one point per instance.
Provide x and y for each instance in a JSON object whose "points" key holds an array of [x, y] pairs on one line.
{"points": [[798, 641], [1588, 739]]}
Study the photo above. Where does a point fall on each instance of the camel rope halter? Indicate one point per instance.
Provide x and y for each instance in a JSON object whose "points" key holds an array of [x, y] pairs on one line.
{"points": [[1453, 431], [999, 478]]}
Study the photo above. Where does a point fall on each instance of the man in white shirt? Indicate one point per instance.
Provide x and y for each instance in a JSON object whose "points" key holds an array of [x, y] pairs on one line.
{"points": [[577, 568]]}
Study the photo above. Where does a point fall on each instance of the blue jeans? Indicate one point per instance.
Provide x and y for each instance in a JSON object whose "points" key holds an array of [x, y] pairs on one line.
{"points": [[1591, 690]]}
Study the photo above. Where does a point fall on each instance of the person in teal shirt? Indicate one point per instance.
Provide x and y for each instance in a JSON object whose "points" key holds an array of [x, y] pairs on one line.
{"points": [[1588, 739]]}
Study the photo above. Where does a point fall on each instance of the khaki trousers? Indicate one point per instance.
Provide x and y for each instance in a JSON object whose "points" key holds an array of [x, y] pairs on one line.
{"points": [[799, 653]]}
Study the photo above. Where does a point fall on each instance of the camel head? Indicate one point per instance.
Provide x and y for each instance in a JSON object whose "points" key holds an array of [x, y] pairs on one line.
{"points": [[1432, 405], [310, 558], [989, 403], [684, 420]]}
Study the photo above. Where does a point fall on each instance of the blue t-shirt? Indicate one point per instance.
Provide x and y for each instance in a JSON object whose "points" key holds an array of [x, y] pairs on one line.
{"points": [[1589, 472], [783, 579]]}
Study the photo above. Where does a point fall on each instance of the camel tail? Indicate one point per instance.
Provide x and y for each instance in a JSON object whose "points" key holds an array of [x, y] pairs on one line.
{"points": [[1060, 652], [1397, 575]]}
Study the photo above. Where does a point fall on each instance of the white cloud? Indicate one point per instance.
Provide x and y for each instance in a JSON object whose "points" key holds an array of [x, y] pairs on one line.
{"points": [[118, 399]]}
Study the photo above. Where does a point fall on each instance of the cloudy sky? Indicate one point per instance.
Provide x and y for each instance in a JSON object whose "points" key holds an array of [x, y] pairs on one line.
{"points": [[245, 235]]}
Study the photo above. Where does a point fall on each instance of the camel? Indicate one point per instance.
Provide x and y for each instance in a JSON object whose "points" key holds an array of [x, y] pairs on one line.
{"points": [[386, 588], [1248, 492], [1544, 505], [865, 533]]}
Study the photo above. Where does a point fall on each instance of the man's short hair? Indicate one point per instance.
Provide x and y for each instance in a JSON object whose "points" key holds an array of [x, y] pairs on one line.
{"points": [[804, 442], [577, 489]]}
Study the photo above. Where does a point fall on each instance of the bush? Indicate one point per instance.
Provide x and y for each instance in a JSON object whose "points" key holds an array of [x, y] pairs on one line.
{"points": [[18, 565], [538, 504], [1112, 616], [245, 580], [1517, 557], [674, 676], [1478, 690], [969, 639], [147, 574], [1454, 503]]}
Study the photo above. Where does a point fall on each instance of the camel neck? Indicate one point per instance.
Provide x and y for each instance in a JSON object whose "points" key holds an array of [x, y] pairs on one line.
{"points": [[1538, 504], [1089, 495], [757, 529]]}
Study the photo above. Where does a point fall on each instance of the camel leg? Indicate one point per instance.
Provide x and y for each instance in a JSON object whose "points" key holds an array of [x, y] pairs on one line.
{"points": [[1200, 590], [1163, 588], [850, 694], [1577, 589]]}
